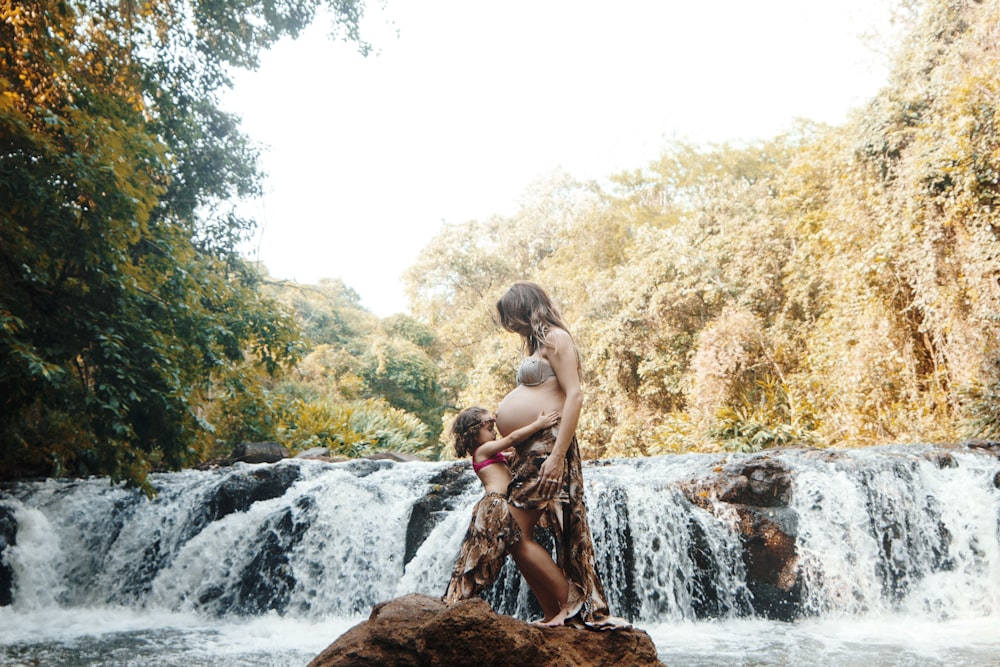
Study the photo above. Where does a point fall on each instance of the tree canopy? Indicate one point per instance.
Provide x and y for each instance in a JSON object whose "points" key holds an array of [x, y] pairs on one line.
{"points": [[122, 295], [830, 286]]}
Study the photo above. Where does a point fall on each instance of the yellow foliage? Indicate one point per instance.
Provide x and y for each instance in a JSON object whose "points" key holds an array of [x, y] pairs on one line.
{"points": [[832, 286]]}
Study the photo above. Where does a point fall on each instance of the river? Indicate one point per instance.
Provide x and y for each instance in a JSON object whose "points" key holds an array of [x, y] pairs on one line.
{"points": [[899, 559]]}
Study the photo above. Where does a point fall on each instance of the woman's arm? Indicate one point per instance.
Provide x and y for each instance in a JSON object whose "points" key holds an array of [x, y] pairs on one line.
{"points": [[562, 356], [517, 435]]}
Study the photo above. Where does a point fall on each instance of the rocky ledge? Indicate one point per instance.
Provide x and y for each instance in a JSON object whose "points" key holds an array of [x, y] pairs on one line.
{"points": [[418, 630]]}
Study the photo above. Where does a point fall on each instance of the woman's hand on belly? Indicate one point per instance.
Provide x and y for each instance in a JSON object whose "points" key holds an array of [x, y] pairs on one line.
{"points": [[521, 406]]}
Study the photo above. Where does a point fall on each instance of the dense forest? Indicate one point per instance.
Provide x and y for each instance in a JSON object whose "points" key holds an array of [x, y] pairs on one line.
{"points": [[832, 286]]}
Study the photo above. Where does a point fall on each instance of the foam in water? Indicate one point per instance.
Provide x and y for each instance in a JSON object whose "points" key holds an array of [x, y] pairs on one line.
{"points": [[36, 577]]}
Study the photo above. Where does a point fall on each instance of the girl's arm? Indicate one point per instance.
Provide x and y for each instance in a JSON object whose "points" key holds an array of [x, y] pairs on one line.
{"points": [[563, 358], [542, 421]]}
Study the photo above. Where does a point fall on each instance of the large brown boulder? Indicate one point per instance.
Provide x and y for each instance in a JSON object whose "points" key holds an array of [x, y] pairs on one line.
{"points": [[421, 631]]}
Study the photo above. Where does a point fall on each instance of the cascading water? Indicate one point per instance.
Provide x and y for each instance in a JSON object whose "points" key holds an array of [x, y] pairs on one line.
{"points": [[896, 562], [905, 536]]}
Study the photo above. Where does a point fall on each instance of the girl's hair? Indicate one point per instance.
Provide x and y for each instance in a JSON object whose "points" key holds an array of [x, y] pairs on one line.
{"points": [[465, 429]]}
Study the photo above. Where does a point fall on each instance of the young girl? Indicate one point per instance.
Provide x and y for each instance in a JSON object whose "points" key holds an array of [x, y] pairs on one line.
{"points": [[492, 530]]}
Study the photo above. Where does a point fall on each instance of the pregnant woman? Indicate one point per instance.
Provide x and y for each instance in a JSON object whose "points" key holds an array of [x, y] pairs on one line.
{"points": [[548, 477]]}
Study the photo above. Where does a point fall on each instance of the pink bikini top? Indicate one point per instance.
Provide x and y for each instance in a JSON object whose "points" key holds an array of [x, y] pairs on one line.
{"points": [[496, 458]]}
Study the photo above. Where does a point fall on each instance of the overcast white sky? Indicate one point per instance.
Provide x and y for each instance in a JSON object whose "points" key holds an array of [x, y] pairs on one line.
{"points": [[472, 101]]}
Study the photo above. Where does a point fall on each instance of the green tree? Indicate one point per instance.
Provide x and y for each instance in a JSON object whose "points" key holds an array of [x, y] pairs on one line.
{"points": [[330, 313], [122, 295], [400, 368]]}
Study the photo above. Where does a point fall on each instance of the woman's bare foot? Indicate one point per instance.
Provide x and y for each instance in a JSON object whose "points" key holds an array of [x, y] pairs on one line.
{"points": [[554, 622]]}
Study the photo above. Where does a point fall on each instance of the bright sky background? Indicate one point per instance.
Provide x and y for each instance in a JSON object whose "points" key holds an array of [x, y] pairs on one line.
{"points": [[453, 118]]}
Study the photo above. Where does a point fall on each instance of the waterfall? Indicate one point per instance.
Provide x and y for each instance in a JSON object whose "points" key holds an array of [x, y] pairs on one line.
{"points": [[912, 531], [904, 535]]}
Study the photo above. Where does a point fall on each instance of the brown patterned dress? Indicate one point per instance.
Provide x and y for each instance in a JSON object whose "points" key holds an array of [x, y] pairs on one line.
{"points": [[566, 517], [491, 533]]}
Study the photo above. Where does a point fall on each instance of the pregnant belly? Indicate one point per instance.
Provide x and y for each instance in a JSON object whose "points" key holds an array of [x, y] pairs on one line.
{"points": [[521, 406]]}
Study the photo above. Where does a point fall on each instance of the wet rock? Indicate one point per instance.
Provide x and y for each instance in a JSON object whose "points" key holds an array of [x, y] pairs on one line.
{"points": [[364, 467], [266, 583], [238, 491], [981, 443], [612, 521], [768, 537], [416, 630], [8, 538], [942, 459], [259, 452], [427, 512], [707, 600], [763, 482]]}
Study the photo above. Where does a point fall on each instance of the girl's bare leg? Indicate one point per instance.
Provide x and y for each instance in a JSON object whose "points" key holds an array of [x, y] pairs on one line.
{"points": [[546, 579]]}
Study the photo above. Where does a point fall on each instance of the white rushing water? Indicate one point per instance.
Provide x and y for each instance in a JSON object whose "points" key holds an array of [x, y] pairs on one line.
{"points": [[898, 560]]}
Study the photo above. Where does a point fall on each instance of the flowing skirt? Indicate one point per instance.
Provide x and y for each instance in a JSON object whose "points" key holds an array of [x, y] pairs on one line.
{"points": [[491, 533], [566, 517]]}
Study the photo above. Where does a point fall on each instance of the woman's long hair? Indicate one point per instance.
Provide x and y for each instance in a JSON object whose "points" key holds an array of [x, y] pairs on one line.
{"points": [[527, 310]]}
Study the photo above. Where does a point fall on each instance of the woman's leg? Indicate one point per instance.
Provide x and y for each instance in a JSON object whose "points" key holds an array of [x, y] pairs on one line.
{"points": [[546, 579]]}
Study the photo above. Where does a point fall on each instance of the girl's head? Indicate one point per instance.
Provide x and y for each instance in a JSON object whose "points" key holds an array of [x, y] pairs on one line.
{"points": [[526, 309], [467, 428]]}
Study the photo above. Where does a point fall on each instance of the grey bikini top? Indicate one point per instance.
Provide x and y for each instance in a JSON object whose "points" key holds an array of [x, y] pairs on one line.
{"points": [[534, 371]]}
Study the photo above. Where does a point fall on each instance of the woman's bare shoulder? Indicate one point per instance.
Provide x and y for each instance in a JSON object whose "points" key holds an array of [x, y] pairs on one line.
{"points": [[556, 336], [558, 341]]}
